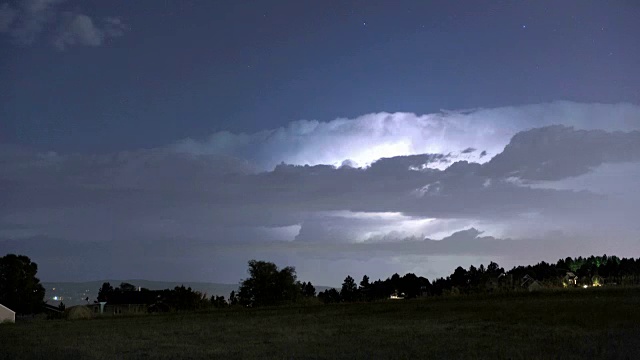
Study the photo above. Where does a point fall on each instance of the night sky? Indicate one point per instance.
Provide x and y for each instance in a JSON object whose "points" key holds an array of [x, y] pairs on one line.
{"points": [[177, 140]]}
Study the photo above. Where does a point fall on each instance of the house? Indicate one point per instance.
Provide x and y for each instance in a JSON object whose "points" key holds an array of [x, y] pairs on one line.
{"points": [[117, 309], [396, 296], [51, 309], [127, 309], [97, 307], [597, 280], [535, 286], [531, 284], [570, 279], [526, 281], [7, 315]]}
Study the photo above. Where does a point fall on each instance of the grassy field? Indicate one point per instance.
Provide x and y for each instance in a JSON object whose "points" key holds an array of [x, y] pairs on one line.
{"points": [[598, 323]]}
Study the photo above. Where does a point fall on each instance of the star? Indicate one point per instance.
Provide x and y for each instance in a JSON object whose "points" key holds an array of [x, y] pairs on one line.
{"points": [[364, 23], [524, 26]]}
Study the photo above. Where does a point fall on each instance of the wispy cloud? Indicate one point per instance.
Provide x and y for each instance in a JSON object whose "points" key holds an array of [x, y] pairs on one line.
{"points": [[31, 20]]}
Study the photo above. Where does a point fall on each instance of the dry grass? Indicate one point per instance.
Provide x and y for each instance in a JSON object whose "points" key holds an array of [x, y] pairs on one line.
{"points": [[78, 312], [599, 323]]}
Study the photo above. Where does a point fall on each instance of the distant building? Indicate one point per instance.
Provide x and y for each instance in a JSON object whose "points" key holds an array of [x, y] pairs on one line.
{"points": [[531, 284], [597, 280], [526, 281], [535, 286], [570, 279], [118, 309], [51, 309], [7, 315]]}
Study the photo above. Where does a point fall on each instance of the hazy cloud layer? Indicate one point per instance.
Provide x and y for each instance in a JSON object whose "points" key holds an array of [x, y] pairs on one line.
{"points": [[28, 20], [173, 213]]}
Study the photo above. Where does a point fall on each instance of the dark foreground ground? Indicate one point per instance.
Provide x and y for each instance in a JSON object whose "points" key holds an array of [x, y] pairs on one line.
{"points": [[598, 323]]}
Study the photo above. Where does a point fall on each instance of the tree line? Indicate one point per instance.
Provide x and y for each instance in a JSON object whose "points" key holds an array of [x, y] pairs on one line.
{"points": [[568, 272], [178, 298], [268, 285]]}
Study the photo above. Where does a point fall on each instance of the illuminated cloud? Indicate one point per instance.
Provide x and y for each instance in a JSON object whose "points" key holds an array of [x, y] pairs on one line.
{"points": [[367, 138], [549, 191]]}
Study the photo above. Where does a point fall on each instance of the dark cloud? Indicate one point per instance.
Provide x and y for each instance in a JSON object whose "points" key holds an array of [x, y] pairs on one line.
{"points": [[468, 150], [400, 164], [151, 203], [231, 193], [557, 152]]}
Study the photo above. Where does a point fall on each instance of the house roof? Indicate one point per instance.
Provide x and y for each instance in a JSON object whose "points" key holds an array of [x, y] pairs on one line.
{"points": [[4, 307], [51, 308], [526, 279]]}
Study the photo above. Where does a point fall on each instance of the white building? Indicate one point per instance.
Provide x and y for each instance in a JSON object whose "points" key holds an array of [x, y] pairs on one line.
{"points": [[7, 315]]}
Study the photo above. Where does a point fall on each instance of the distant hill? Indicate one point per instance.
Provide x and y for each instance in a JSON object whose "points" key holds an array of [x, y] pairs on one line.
{"points": [[75, 293]]}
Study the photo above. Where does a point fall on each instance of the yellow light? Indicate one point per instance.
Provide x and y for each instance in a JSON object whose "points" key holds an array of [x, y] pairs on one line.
{"points": [[585, 286]]}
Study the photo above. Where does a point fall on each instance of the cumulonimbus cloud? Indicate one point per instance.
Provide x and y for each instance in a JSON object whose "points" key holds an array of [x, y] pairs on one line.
{"points": [[367, 138], [211, 197]]}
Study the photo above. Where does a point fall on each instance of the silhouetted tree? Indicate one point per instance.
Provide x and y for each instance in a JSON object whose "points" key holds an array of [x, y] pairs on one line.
{"points": [[124, 287], [218, 301], [441, 285], [233, 298], [267, 285], [185, 298], [20, 289], [395, 281], [364, 283], [349, 291], [460, 277], [413, 286], [178, 298], [105, 292], [308, 290], [365, 289], [494, 269], [329, 296]]}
